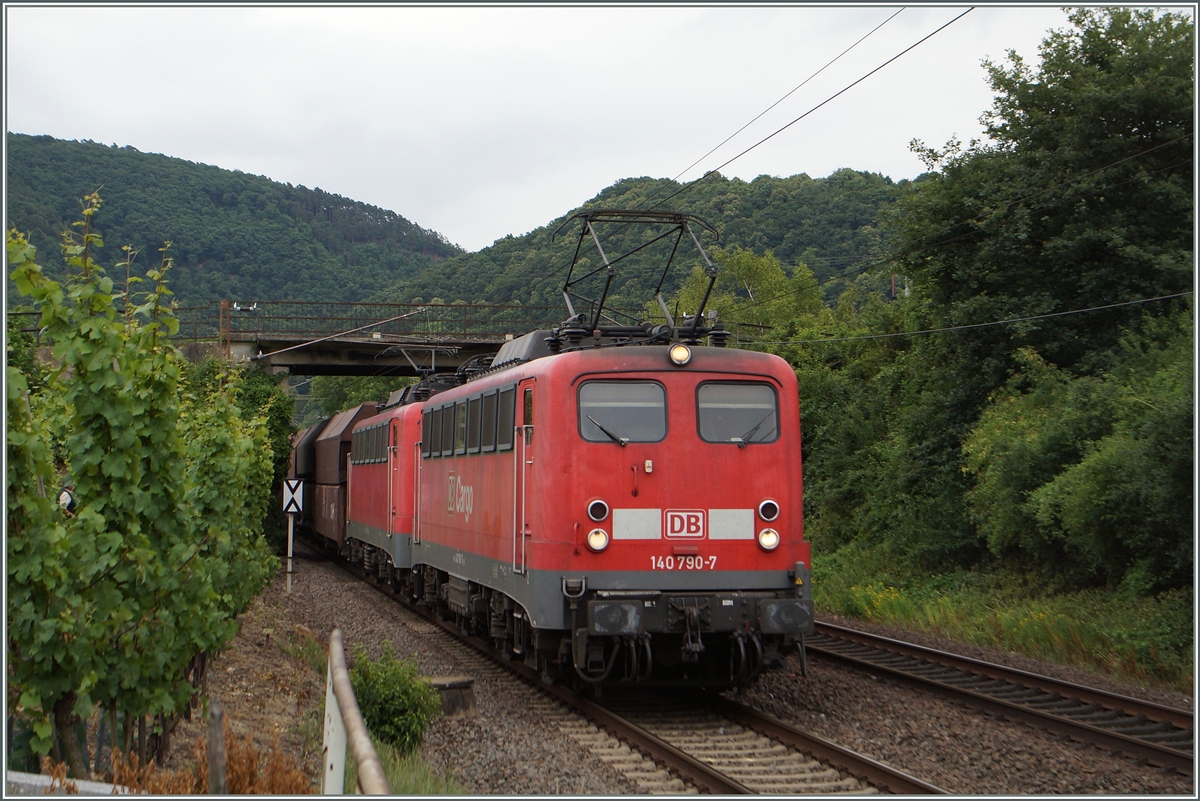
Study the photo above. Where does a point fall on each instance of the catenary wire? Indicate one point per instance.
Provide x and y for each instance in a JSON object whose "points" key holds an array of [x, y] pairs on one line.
{"points": [[875, 262], [824, 102], [970, 325], [559, 269], [777, 102]]}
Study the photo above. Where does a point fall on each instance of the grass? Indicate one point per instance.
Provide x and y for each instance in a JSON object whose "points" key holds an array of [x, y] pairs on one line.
{"points": [[406, 775], [303, 644], [1136, 639]]}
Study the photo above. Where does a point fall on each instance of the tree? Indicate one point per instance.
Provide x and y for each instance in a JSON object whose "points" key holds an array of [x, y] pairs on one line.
{"points": [[343, 392], [1093, 474], [1082, 199], [752, 292]]}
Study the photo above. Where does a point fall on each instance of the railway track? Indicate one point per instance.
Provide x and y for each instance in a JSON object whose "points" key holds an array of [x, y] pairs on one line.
{"points": [[758, 753], [722, 747], [715, 746], [1161, 735]]}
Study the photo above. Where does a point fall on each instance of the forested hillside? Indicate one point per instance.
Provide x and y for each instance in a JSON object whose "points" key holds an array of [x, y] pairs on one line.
{"points": [[233, 236], [827, 223]]}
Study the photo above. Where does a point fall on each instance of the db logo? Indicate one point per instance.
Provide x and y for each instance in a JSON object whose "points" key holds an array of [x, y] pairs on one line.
{"points": [[685, 523]]}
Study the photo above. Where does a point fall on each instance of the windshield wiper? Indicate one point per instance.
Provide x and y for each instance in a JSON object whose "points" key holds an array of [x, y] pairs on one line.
{"points": [[744, 438], [619, 440]]}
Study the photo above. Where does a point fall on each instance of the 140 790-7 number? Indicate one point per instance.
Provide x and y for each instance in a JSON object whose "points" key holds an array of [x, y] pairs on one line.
{"points": [[683, 563]]}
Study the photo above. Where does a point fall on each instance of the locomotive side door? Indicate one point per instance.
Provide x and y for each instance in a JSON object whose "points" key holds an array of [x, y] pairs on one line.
{"points": [[393, 484], [522, 462]]}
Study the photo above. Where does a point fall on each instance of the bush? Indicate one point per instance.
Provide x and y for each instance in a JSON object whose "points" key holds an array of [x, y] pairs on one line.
{"points": [[396, 704]]}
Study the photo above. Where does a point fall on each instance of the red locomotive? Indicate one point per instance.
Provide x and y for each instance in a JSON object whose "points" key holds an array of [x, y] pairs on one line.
{"points": [[610, 503]]}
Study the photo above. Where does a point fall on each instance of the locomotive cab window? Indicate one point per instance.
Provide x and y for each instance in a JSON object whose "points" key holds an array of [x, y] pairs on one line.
{"points": [[487, 435], [622, 411], [447, 431], [460, 427], [737, 413], [473, 420], [505, 408]]}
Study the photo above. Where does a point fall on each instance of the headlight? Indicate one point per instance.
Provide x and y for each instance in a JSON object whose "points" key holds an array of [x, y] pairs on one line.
{"points": [[768, 510], [768, 539], [680, 355], [597, 510], [597, 539]]}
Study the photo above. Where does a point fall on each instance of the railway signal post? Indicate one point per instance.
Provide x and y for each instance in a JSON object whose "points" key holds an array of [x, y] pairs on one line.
{"points": [[293, 504]]}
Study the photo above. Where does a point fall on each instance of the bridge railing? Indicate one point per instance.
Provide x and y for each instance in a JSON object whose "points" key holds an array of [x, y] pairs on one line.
{"points": [[312, 320], [304, 320]]}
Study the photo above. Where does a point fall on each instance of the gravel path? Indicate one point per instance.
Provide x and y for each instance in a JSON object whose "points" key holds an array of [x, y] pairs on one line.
{"points": [[522, 744]]}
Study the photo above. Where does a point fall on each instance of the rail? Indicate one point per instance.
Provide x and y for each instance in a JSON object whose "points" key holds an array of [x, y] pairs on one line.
{"points": [[344, 725], [706, 777], [1142, 730]]}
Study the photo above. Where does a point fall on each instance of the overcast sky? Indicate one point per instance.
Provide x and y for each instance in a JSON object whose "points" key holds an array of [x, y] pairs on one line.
{"points": [[481, 122]]}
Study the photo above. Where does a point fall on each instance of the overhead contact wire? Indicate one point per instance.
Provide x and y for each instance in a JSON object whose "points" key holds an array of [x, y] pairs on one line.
{"points": [[824, 102], [971, 325], [780, 100], [748, 124]]}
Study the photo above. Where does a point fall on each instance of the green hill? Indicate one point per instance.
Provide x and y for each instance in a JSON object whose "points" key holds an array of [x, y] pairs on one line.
{"points": [[243, 237], [234, 236], [827, 223]]}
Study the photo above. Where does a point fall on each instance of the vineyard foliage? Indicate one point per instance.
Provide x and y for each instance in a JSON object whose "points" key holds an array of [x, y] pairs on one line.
{"points": [[109, 606]]}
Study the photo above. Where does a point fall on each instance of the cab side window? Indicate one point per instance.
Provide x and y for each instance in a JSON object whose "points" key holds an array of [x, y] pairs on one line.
{"points": [[506, 405]]}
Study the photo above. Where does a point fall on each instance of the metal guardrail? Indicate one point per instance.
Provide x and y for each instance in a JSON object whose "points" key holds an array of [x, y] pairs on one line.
{"points": [[344, 725]]}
